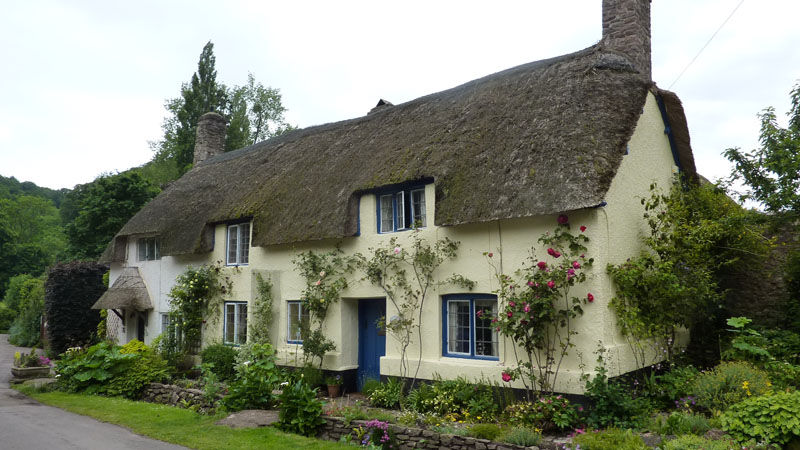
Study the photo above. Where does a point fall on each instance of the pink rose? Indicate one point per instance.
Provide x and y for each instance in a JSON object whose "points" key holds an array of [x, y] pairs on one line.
{"points": [[543, 265], [396, 250], [530, 283], [490, 254], [551, 252], [510, 314], [576, 265], [563, 219], [527, 308], [571, 272], [506, 377], [479, 313], [590, 297], [551, 284], [512, 304]]}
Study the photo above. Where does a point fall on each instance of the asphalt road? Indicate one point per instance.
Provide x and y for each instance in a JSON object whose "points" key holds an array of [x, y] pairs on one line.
{"points": [[28, 425]]}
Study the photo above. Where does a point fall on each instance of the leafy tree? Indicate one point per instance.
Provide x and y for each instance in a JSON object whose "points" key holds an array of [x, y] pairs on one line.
{"points": [[772, 171], [254, 112], [101, 208]]}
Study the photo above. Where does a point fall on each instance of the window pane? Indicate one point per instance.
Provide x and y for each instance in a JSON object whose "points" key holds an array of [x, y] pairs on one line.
{"points": [[232, 242], [387, 214], [294, 321], [458, 312], [485, 334], [241, 324], [244, 247], [151, 249], [418, 207], [164, 323], [401, 210], [157, 254], [230, 322], [305, 319], [142, 246]]}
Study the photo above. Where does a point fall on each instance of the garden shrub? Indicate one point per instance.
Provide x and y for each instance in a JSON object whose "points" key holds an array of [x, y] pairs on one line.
{"points": [[612, 403], [422, 399], [773, 418], [134, 346], [256, 377], [673, 385], [387, 395], [222, 359], [548, 413], [91, 369], [7, 316], [370, 384], [611, 439], [728, 383], [460, 397], [692, 442], [70, 291], [25, 297], [522, 436], [488, 431], [678, 423], [301, 412], [148, 367]]}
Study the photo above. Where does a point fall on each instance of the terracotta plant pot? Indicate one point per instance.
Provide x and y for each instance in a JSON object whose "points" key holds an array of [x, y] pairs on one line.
{"points": [[333, 390], [30, 372]]}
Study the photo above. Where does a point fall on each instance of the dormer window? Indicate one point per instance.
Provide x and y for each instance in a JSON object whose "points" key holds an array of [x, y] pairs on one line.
{"points": [[148, 249], [238, 249], [402, 209]]}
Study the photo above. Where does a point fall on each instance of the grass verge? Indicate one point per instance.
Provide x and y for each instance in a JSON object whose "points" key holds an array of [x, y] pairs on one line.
{"points": [[175, 425]]}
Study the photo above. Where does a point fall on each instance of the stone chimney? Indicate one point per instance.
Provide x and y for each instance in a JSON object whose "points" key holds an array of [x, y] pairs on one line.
{"points": [[626, 29], [210, 140]]}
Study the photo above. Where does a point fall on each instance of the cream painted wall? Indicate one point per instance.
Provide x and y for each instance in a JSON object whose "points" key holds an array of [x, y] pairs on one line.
{"points": [[614, 231]]}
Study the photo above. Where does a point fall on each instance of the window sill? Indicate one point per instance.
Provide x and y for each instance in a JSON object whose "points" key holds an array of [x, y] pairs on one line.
{"points": [[461, 359]]}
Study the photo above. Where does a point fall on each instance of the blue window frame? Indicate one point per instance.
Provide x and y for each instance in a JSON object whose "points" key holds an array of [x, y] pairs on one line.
{"points": [[468, 331], [297, 322], [401, 209]]}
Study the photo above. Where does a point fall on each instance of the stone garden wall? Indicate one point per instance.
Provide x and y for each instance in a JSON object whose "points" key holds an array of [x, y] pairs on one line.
{"points": [[416, 438], [170, 394]]}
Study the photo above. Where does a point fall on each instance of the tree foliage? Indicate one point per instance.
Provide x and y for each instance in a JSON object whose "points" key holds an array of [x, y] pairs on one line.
{"points": [[70, 291], [253, 112], [771, 172], [98, 210]]}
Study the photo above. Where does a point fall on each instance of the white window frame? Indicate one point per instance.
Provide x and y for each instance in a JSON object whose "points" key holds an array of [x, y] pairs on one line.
{"points": [[239, 328], [164, 323], [398, 199], [414, 213], [144, 252], [237, 248], [292, 336]]}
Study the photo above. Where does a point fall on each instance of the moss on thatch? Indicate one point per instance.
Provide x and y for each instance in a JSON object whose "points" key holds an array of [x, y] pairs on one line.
{"points": [[536, 139]]}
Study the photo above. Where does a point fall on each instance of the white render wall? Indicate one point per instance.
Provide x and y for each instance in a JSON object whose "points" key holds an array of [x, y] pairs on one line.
{"points": [[615, 231]]}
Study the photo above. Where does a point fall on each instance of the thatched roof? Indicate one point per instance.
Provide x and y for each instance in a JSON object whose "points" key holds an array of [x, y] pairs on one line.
{"points": [[127, 292], [540, 138]]}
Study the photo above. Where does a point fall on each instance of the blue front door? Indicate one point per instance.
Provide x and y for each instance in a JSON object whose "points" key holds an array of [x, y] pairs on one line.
{"points": [[371, 339]]}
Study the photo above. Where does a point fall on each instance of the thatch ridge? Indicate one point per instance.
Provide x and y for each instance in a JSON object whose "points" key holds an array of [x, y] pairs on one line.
{"points": [[127, 292], [540, 138]]}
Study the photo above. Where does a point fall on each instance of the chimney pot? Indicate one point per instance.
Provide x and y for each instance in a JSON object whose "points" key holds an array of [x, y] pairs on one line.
{"points": [[210, 138], [626, 29]]}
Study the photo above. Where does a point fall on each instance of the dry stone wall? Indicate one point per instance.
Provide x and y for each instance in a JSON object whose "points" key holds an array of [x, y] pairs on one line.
{"points": [[170, 394]]}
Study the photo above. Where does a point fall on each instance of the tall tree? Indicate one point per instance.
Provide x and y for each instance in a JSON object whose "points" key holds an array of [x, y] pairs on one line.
{"points": [[100, 210], [771, 172], [254, 112]]}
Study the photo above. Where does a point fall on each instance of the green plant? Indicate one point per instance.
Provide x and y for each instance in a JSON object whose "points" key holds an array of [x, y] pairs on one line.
{"points": [[134, 346], [678, 422], [449, 428], [256, 377], [210, 381], [728, 383], [611, 439], [522, 436], [70, 291], [773, 418], [334, 380], [692, 442], [408, 418], [25, 297], [537, 308], [91, 369], [406, 276], [488, 431], [612, 401], [747, 343], [388, 395], [223, 358], [148, 367], [261, 312], [370, 384], [672, 385], [422, 399], [548, 413], [301, 412], [376, 434]]}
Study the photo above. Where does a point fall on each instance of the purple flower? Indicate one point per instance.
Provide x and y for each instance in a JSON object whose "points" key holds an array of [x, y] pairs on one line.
{"points": [[563, 219]]}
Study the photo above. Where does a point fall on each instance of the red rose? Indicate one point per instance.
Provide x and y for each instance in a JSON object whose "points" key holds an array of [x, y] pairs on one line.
{"points": [[590, 297], [576, 265], [551, 284], [583, 228], [490, 254], [506, 377]]}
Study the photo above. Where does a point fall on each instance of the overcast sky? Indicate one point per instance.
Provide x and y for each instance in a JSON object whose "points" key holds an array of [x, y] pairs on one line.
{"points": [[83, 83]]}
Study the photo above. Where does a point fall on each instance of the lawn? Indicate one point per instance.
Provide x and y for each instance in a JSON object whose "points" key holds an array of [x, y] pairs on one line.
{"points": [[175, 425]]}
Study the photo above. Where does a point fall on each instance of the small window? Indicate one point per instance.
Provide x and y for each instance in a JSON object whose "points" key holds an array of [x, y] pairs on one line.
{"points": [[149, 249], [164, 323], [401, 210], [297, 323], [235, 323], [468, 330], [238, 244]]}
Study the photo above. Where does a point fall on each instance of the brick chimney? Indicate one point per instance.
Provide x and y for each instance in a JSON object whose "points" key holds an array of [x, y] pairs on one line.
{"points": [[626, 29], [210, 140]]}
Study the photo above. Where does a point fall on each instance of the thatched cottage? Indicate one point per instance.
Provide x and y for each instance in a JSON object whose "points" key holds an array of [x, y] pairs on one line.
{"points": [[490, 163]]}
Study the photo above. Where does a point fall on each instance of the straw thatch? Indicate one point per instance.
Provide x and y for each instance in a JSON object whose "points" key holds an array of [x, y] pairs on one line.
{"points": [[127, 292], [540, 138]]}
